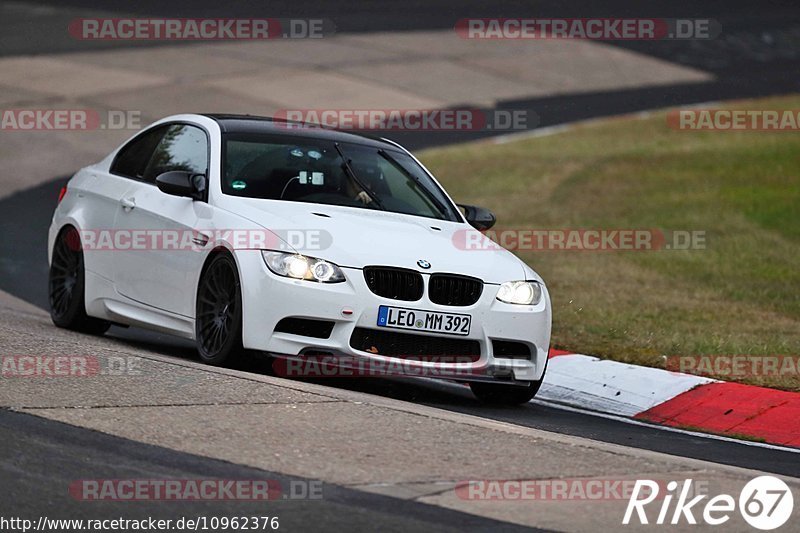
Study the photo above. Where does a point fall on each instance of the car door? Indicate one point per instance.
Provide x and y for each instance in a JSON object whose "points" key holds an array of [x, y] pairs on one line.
{"points": [[104, 191], [155, 267]]}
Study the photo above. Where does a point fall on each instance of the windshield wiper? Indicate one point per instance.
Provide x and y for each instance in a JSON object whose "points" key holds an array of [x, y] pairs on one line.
{"points": [[435, 201], [349, 171]]}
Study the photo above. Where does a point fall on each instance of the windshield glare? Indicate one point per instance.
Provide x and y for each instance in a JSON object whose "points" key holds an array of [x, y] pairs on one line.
{"points": [[311, 170]]}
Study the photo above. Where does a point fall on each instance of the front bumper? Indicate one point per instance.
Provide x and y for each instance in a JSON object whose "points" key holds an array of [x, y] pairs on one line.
{"points": [[267, 299]]}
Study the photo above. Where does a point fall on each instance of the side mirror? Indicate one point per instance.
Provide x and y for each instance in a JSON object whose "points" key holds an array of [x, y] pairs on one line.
{"points": [[479, 218], [182, 183]]}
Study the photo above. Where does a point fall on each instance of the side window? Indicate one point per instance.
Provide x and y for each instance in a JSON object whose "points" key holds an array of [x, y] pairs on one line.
{"points": [[132, 159], [181, 148]]}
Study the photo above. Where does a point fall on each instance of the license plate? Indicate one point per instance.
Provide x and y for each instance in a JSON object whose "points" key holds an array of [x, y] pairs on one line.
{"points": [[418, 320]]}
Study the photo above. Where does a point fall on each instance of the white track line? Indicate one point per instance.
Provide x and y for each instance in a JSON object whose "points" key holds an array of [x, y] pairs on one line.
{"points": [[626, 420], [635, 422], [612, 387]]}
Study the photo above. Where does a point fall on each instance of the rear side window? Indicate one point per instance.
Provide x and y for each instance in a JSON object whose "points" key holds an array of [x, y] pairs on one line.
{"points": [[132, 159], [182, 147]]}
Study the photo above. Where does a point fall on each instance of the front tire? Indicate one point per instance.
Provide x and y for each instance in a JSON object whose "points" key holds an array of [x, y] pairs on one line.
{"points": [[218, 320], [502, 394], [67, 286]]}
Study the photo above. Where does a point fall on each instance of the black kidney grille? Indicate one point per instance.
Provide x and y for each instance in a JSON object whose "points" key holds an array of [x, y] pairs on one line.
{"points": [[449, 289], [394, 283]]}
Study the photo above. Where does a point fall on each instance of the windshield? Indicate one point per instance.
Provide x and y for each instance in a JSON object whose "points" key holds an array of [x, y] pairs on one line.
{"points": [[324, 172]]}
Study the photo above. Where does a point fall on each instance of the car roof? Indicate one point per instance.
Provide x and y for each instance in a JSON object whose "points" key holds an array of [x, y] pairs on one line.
{"points": [[260, 125]]}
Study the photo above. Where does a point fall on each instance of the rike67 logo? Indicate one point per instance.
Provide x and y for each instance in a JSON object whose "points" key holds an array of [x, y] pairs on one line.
{"points": [[765, 503]]}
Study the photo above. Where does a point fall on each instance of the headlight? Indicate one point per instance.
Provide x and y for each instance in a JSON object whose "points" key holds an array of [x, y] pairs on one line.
{"points": [[301, 267], [520, 292]]}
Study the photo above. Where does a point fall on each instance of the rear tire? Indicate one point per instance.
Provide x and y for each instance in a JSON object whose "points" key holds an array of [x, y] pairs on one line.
{"points": [[67, 286], [502, 394], [218, 318]]}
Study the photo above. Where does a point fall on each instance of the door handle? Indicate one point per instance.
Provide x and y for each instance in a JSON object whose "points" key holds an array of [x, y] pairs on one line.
{"points": [[128, 203]]}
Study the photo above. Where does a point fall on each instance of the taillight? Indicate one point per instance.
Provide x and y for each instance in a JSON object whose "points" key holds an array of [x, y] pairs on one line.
{"points": [[62, 193]]}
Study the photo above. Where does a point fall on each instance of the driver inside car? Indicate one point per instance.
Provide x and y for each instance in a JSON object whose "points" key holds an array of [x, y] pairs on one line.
{"points": [[370, 174]]}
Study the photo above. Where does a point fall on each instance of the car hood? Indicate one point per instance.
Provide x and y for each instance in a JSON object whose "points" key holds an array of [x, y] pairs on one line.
{"points": [[352, 237]]}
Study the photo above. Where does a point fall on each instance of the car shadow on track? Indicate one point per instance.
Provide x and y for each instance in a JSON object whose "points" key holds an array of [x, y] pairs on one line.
{"points": [[416, 390]]}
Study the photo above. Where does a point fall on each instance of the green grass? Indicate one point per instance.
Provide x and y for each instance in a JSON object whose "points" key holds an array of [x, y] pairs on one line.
{"points": [[739, 295]]}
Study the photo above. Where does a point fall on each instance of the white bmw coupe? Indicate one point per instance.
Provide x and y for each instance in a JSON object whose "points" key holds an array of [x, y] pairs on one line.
{"points": [[246, 233]]}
